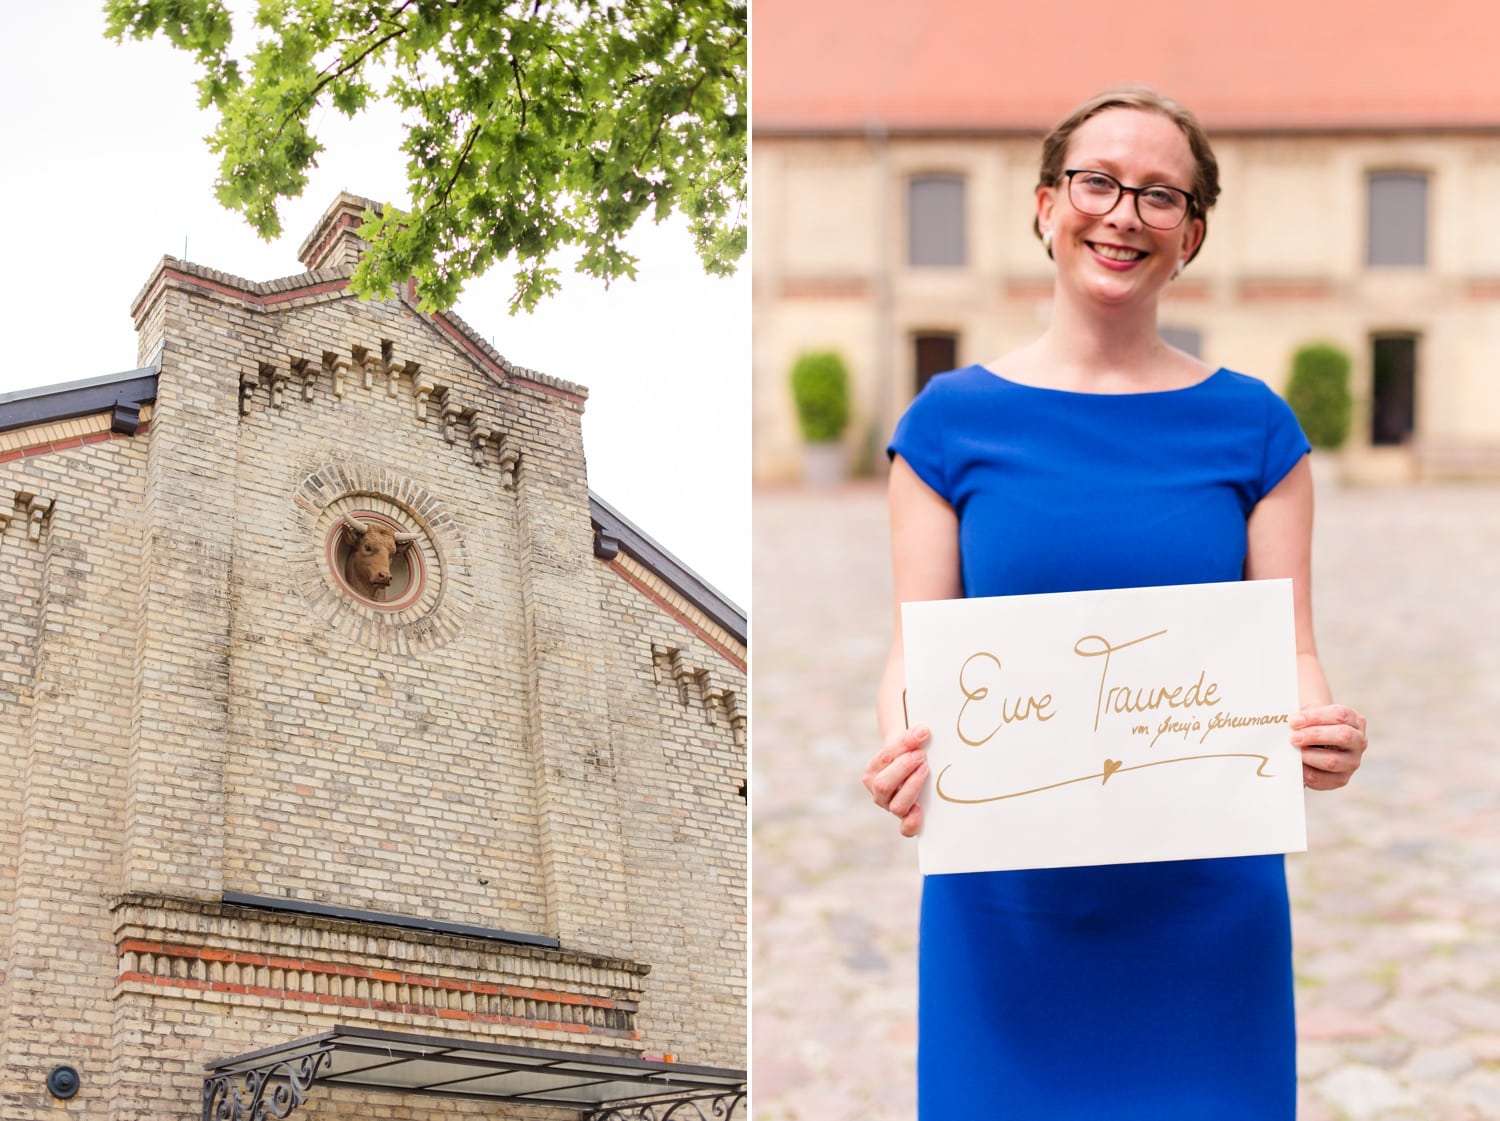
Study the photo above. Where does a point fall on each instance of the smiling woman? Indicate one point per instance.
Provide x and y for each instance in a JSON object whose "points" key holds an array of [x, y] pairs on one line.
{"points": [[1134, 465], [1101, 240], [1202, 187]]}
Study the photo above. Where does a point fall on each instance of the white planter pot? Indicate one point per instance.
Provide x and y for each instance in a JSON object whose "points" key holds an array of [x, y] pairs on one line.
{"points": [[1327, 469], [824, 464]]}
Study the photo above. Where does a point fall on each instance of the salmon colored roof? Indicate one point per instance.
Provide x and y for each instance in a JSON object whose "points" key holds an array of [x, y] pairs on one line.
{"points": [[990, 65]]}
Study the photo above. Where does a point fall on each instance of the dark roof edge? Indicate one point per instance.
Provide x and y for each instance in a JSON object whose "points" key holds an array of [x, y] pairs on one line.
{"points": [[613, 531], [407, 922], [122, 393]]}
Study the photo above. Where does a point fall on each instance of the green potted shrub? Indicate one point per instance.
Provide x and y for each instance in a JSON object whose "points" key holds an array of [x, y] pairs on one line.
{"points": [[1318, 393], [820, 391]]}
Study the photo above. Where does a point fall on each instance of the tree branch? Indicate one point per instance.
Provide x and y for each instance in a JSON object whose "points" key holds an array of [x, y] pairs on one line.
{"points": [[463, 158], [515, 68], [328, 75], [353, 64], [687, 106]]}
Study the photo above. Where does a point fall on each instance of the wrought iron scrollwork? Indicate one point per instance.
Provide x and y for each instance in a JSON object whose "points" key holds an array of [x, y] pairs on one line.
{"points": [[267, 1092], [705, 1107]]}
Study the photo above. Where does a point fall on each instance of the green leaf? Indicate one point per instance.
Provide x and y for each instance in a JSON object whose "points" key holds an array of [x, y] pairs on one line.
{"points": [[531, 128]]}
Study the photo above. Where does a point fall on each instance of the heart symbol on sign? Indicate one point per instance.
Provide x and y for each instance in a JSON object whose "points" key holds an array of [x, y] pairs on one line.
{"points": [[1110, 767]]}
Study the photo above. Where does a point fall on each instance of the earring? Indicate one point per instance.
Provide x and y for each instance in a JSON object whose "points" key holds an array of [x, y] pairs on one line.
{"points": [[1177, 269], [1047, 240]]}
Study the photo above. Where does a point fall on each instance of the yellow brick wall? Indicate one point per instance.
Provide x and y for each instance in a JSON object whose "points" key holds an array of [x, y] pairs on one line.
{"points": [[680, 758], [66, 677]]}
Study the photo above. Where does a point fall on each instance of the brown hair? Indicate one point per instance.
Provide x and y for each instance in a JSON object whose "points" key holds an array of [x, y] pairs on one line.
{"points": [[1205, 177]]}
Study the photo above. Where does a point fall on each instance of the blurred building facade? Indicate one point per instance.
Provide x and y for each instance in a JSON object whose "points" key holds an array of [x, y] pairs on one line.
{"points": [[896, 157], [273, 841]]}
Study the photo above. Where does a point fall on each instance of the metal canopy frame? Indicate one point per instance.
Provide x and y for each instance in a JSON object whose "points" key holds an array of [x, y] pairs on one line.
{"points": [[274, 1081]]}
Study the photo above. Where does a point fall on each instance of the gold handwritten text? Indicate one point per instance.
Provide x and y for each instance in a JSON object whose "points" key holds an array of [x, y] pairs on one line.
{"points": [[1228, 720], [1171, 726], [1012, 709], [1124, 698]]}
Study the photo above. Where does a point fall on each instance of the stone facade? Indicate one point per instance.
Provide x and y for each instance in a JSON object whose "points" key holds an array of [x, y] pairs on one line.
{"points": [[239, 804], [1286, 263]]}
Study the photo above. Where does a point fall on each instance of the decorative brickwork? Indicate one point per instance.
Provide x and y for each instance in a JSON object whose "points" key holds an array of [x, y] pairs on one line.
{"points": [[29, 509], [334, 242], [231, 955], [433, 613], [698, 685]]}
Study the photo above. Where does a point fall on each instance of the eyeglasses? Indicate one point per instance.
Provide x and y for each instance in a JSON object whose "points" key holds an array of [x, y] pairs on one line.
{"points": [[1157, 205]]}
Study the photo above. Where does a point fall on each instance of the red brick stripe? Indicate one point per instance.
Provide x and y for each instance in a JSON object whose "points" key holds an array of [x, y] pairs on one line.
{"points": [[47, 447], [671, 609], [446, 984], [478, 354], [207, 285], [269, 299], [390, 1006]]}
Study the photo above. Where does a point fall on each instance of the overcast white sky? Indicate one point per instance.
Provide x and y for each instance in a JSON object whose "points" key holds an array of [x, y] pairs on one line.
{"points": [[106, 171]]}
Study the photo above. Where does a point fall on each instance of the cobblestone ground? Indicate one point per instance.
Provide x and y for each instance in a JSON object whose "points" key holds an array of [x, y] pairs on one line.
{"points": [[1396, 905]]}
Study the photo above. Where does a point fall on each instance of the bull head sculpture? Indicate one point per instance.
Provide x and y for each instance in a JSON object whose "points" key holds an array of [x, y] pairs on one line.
{"points": [[372, 547]]}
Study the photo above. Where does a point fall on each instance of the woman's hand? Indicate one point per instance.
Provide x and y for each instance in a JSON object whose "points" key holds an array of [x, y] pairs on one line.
{"points": [[1332, 741], [896, 774]]}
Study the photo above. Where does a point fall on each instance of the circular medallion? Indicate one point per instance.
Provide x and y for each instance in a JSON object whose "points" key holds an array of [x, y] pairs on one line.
{"points": [[379, 558]]}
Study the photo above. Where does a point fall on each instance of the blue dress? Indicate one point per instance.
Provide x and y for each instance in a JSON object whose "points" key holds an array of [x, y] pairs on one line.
{"points": [[1139, 992]]}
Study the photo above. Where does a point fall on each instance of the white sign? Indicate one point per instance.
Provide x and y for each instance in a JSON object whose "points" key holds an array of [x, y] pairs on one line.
{"points": [[1106, 727]]}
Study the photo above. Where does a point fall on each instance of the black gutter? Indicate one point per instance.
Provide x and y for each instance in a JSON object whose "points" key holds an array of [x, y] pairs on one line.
{"points": [[409, 922], [613, 532], [122, 395]]}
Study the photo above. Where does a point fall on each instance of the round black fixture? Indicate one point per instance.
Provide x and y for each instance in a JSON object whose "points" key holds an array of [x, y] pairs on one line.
{"points": [[62, 1081]]}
